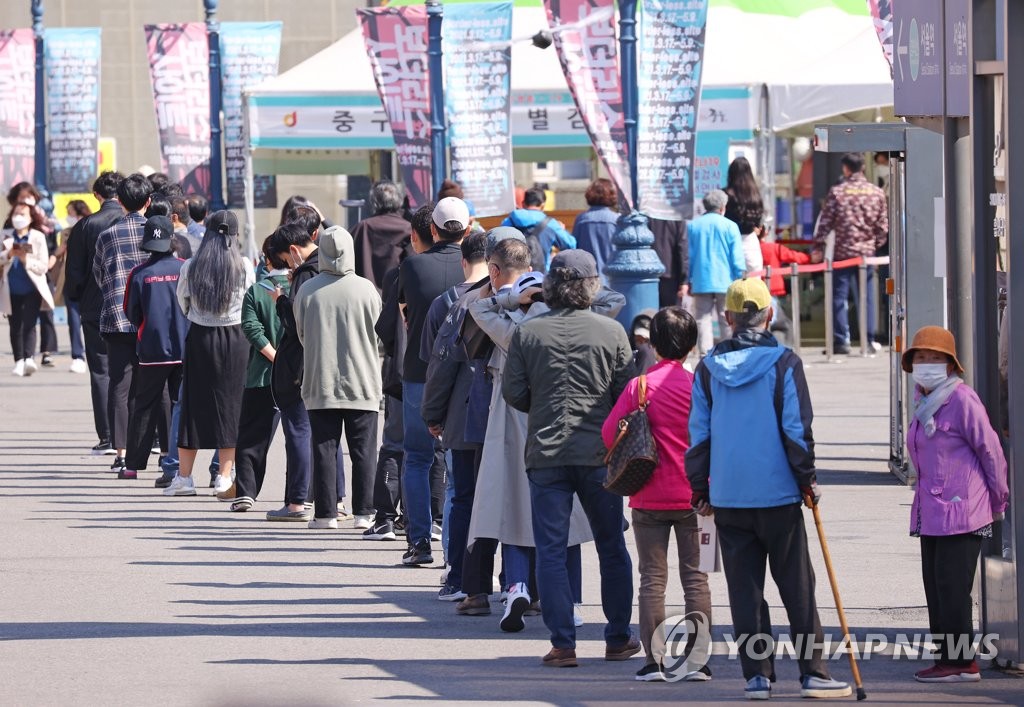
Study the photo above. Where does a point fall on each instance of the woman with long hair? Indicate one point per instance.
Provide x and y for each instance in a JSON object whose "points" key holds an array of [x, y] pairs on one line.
{"points": [[23, 287], [746, 208], [211, 288]]}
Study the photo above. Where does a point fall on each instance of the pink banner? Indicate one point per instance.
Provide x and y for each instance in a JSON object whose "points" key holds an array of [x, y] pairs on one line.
{"points": [[180, 73], [17, 107], [586, 47], [396, 42], [881, 13]]}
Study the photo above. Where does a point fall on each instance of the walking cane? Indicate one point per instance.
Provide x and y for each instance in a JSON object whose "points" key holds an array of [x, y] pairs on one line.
{"points": [[809, 502]]}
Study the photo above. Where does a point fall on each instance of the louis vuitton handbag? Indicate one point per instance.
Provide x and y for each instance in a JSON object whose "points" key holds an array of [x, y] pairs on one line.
{"points": [[633, 455]]}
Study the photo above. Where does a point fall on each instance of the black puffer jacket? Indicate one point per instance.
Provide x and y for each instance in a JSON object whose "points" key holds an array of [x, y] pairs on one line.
{"points": [[286, 378]]}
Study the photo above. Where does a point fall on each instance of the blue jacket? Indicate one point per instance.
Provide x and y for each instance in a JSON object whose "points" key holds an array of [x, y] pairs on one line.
{"points": [[554, 234], [151, 305], [750, 425], [716, 254], [593, 231]]}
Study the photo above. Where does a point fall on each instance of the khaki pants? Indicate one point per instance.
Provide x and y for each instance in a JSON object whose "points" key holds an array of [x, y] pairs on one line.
{"points": [[652, 530], [705, 308]]}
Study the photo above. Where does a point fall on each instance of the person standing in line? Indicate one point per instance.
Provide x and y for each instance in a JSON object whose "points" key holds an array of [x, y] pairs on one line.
{"points": [[593, 229], [151, 305], [24, 290], [715, 260], [750, 401], [380, 239], [211, 288], [341, 388], [856, 210], [663, 504], [746, 210], [542, 232], [77, 210], [117, 253], [961, 492], [565, 369], [198, 208], [82, 287]]}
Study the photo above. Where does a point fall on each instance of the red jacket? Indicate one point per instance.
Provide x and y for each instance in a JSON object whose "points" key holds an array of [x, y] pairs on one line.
{"points": [[775, 256], [668, 409]]}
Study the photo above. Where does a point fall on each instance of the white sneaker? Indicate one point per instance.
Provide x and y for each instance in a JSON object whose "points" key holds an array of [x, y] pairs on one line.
{"points": [[875, 347], [517, 604], [323, 524], [444, 574], [222, 484], [181, 486], [30, 366], [79, 366], [577, 615], [362, 522], [19, 369]]}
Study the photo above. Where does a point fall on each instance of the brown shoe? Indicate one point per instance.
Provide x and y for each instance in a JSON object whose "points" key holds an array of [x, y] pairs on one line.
{"points": [[475, 605], [533, 610], [561, 658], [623, 651]]}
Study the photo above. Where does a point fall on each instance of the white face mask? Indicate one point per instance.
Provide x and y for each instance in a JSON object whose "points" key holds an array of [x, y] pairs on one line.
{"points": [[20, 222], [930, 375]]}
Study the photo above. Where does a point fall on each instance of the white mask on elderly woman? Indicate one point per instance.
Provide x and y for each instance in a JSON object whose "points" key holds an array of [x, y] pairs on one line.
{"points": [[930, 375]]}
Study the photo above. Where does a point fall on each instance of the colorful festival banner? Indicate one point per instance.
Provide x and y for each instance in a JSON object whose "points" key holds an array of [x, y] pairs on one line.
{"points": [[73, 107], [671, 55], [478, 65], [881, 13], [17, 106], [587, 52], [249, 53], [396, 43], [180, 75]]}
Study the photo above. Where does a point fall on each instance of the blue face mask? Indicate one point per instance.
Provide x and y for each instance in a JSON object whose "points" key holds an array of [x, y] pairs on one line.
{"points": [[930, 375]]}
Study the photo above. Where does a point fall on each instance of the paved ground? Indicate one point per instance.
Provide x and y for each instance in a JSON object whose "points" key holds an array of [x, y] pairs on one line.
{"points": [[113, 594]]}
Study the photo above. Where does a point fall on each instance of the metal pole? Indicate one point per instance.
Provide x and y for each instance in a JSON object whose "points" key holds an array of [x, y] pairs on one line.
{"points": [[862, 307], [438, 158], [829, 324], [794, 287], [40, 167], [630, 96], [216, 156]]}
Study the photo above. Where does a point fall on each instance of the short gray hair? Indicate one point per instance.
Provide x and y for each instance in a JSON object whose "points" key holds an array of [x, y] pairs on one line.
{"points": [[715, 200], [750, 320], [385, 197]]}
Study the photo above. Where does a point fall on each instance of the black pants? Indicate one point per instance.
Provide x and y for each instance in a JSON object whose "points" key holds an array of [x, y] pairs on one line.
{"points": [[478, 567], [360, 428], [122, 361], [387, 487], [948, 565], [257, 426], [99, 379], [154, 390], [749, 537], [47, 333], [24, 312]]}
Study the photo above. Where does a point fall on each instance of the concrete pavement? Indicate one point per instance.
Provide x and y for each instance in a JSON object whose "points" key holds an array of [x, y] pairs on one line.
{"points": [[111, 593]]}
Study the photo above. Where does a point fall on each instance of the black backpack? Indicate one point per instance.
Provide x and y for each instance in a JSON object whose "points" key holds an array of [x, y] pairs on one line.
{"points": [[538, 260]]}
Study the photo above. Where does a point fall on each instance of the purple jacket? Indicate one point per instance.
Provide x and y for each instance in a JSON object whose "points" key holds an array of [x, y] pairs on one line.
{"points": [[961, 470]]}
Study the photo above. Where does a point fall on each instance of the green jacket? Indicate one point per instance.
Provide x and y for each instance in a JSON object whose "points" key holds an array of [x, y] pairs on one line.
{"points": [[565, 369], [261, 326]]}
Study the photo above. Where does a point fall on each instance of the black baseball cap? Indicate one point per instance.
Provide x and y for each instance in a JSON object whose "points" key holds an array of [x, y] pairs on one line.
{"points": [[156, 235]]}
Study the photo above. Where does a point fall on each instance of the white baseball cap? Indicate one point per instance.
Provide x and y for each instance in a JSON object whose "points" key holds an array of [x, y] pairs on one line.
{"points": [[451, 209], [526, 281]]}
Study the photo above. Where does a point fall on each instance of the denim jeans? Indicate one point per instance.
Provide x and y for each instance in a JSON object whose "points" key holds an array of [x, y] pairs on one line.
{"points": [[446, 509], [298, 445], [465, 465], [845, 284], [75, 330], [169, 464], [551, 495], [419, 457]]}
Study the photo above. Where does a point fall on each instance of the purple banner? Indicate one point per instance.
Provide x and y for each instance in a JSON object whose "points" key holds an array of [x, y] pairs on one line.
{"points": [[180, 74], [586, 49], [396, 43], [73, 107], [17, 106]]}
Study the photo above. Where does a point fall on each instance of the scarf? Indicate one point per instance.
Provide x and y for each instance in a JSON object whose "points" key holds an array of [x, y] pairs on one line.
{"points": [[928, 405]]}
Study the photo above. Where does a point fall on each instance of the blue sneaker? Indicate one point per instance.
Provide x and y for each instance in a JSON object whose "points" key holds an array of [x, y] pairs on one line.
{"points": [[813, 686], [758, 688]]}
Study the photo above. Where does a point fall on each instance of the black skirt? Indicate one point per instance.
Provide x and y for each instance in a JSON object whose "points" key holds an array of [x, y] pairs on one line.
{"points": [[215, 364]]}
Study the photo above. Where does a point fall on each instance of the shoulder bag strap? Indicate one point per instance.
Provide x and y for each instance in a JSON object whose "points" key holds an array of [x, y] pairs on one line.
{"points": [[642, 391]]}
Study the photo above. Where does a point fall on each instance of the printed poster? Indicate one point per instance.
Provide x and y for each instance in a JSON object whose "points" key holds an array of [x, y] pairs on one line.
{"points": [[17, 106], [73, 107]]}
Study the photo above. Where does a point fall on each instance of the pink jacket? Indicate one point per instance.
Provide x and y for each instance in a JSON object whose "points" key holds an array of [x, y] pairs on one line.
{"points": [[668, 409], [961, 470]]}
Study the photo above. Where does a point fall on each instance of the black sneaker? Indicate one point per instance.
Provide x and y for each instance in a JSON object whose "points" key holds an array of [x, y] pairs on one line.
{"points": [[118, 465], [127, 474], [47, 360], [380, 531], [165, 480], [103, 448], [418, 554]]}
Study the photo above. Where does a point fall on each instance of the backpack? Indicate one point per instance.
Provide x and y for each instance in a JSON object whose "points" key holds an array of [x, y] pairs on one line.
{"points": [[538, 261], [452, 340]]}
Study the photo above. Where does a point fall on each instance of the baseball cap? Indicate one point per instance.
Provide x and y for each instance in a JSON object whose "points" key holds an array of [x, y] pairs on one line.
{"points": [[450, 209], [500, 233], [156, 235], [747, 296], [526, 281], [223, 222], [579, 262]]}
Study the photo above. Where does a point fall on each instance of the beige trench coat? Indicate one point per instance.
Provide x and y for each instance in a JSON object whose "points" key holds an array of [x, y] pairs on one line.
{"points": [[36, 264]]}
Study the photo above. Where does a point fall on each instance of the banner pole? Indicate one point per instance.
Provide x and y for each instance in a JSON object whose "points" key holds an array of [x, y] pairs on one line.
{"points": [[40, 131], [630, 99], [438, 159], [216, 158]]}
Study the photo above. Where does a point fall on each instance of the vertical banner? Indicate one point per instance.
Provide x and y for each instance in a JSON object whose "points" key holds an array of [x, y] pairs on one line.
{"points": [[249, 53], [396, 43], [671, 54], [584, 34], [73, 107], [881, 14], [478, 68], [17, 106], [180, 74]]}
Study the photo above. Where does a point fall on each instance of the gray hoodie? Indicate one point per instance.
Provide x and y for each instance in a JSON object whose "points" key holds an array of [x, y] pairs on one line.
{"points": [[334, 317]]}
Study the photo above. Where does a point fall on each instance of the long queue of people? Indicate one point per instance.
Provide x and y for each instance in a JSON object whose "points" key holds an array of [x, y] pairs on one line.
{"points": [[503, 378]]}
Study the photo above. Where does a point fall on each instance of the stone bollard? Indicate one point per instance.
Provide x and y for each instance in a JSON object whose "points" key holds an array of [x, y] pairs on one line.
{"points": [[635, 268]]}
